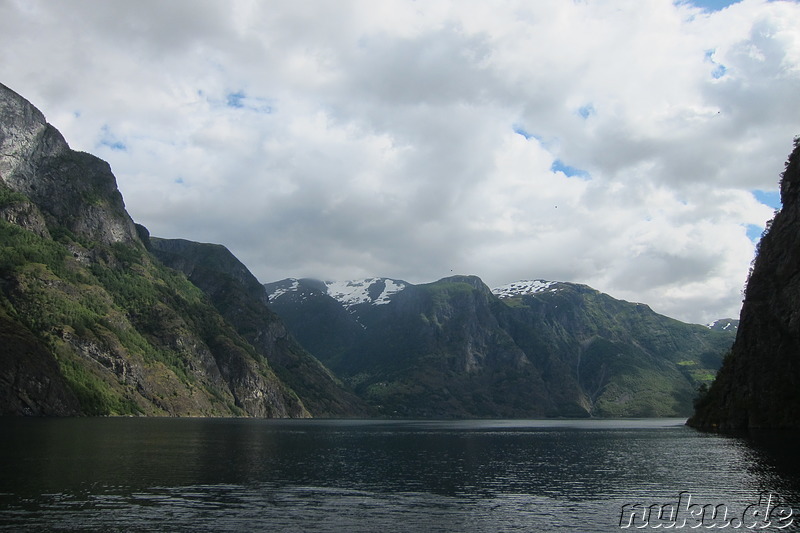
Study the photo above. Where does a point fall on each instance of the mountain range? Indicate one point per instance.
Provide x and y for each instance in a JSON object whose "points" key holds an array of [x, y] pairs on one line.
{"points": [[97, 317], [456, 348]]}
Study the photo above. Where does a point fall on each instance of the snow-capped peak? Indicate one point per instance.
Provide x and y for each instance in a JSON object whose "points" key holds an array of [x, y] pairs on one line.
{"points": [[287, 285], [375, 291], [523, 287]]}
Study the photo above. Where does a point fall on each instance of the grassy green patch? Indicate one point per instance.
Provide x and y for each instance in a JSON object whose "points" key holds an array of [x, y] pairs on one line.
{"points": [[97, 397], [514, 303], [10, 197], [19, 247]]}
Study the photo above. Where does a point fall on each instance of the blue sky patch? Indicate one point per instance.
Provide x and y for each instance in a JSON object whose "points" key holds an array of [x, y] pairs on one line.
{"points": [[240, 100], [586, 111], [719, 69], [118, 146], [754, 232], [109, 140], [569, 171], [519, 130], [770, 198], [235, 99], [710, 5]]}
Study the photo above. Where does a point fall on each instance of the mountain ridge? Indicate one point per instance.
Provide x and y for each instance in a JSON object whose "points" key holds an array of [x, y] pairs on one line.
{"points": [[473, 339], [356, 291]]}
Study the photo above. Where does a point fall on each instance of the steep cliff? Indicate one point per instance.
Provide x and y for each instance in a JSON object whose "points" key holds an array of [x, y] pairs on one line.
{"points": [[90, 321], [758, 385]]}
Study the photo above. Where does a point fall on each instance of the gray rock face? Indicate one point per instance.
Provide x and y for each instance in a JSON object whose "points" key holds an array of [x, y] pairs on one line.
{"points": [[21, 135], [25, 215], [758, 385], [72, 189]]}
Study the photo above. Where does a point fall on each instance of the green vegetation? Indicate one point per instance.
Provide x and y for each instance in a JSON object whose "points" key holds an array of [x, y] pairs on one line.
{"points": [[514, 303], [645, 393], [97, 397], [115, 305], [20, 247], [10, 197]]}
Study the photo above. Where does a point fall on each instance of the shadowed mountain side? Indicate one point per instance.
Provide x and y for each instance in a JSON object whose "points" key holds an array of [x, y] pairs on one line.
{"points": [[242, 300], [30, 380], [758, 385], [454, 349]]}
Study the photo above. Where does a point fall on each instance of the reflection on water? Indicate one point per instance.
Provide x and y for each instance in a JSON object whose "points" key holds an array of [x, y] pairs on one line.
{"points": [[328, 475]]}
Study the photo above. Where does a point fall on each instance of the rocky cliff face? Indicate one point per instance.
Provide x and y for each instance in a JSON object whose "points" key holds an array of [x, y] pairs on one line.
{"points": [[36, 161], [758, 385], [453, 348], [90, 321]]}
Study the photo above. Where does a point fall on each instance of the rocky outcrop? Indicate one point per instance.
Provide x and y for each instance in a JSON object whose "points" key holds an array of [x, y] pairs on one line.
{"points": [[24, 214], [758, 385], [73, 190]]}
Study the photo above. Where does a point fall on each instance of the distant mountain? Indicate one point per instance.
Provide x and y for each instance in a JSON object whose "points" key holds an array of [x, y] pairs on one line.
{"points": [[758, 385], [90, 321], [455, 348]]}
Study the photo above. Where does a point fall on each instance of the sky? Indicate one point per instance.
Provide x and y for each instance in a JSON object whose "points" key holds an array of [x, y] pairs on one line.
{"points": [[632, 145]]}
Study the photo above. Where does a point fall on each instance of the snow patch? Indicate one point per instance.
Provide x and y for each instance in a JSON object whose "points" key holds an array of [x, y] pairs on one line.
{"points": [[292, 286], [723, 325], [523, 287], [392, 287], [354, 292]]}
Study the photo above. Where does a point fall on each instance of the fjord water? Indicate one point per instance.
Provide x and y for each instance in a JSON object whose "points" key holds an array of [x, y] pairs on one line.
{"points": [[130, 474]]}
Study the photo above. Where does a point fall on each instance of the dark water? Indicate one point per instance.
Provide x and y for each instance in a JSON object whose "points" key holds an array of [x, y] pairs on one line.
{"points": [[385, 476]]}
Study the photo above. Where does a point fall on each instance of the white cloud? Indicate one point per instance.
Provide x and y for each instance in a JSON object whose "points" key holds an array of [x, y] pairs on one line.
{"points": [[352, 138]]}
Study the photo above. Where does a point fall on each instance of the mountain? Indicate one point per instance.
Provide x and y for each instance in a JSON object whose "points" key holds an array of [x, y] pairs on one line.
{"points": [[455, 348], [758, 385], [90, 321], [243, 302]]}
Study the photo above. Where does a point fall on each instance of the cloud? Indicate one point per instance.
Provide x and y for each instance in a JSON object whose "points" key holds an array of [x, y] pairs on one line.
{"points": [[630, 145]]}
